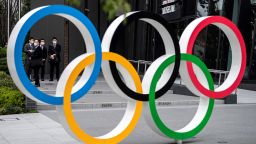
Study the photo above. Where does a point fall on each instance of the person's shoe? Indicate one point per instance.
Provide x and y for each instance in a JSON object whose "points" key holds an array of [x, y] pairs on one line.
{"points": [[42, 79], [51, 80]]}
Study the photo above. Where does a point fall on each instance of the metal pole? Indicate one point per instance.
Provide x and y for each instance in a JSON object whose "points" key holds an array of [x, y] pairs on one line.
{"points": [[19, 8], [253, 45], [235, 19], [8, 19], [218, 66]]}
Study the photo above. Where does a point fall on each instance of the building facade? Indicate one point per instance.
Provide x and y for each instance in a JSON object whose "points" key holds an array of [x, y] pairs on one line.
{"points": [[139, 41]]}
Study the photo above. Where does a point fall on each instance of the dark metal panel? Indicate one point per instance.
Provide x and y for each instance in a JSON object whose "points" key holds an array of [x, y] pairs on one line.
{"points": [[49, 26], [76, 43]]}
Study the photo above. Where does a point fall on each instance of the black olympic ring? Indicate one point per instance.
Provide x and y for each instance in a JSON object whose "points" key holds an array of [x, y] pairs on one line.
{"points": [[134, 95]]}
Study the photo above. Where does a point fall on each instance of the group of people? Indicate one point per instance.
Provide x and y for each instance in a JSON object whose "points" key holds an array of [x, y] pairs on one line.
{"points": [[36, 56]]}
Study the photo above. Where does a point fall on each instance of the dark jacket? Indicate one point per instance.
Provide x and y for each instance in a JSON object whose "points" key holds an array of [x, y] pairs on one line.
{"points": [[36, 57], [27, 49], [54, 50], [44, 52]]}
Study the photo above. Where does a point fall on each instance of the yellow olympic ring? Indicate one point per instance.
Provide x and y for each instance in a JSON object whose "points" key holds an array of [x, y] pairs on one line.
{"points": [[67, 99]]}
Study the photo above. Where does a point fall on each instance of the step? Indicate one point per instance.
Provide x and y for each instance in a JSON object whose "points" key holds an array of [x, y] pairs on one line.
{"points": [[52, 92], [98, 88], [123, 105], [114, 101]]}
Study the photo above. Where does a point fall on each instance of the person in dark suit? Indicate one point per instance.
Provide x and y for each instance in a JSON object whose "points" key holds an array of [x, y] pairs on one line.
{"points": [[28, 50], [36, 61], [54, 52], [44, 57]]}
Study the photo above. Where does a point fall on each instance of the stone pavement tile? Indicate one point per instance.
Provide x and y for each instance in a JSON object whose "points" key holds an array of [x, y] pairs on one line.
{"points": [[41, 122], [14, 125], [32, 129], [3, 140], [246, 96], [25, 135]]}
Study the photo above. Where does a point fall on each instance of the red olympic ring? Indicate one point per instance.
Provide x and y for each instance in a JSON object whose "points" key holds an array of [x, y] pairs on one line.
{"points": [[195, 81]]}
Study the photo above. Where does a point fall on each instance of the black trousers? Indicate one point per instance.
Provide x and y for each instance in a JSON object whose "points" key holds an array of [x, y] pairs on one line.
{"points": [[42, 71], [36, 75], [53, 66], [28, 68]]}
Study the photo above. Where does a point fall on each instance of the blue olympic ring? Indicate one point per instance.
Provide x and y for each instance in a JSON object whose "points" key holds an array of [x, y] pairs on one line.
{"points": [[49, 10]]}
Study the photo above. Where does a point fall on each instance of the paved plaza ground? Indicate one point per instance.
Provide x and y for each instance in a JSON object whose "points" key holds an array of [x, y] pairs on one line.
{"points": [[233, 124], [101, 110]]}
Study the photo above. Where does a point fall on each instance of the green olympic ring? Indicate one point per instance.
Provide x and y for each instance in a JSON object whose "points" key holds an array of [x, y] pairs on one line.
{"points": [[161, 126]]}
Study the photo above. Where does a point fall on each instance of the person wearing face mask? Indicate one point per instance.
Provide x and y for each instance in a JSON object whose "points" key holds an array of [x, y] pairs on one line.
{"points": [[28, 50], [36, 61], [54, 52], [44, 57]]}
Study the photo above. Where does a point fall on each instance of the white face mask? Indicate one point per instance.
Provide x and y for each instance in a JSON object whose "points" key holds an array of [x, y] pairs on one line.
{"points": [[36, 44], [31, 42], [54, 42], [42, 43]]}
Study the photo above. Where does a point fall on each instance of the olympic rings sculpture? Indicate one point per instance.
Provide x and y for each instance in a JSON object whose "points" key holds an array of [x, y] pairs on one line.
{"points": [[157, 80]]}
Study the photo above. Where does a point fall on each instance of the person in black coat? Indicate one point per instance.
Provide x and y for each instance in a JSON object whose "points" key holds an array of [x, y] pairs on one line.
{"points": [[28, 50], [54, 52], [44, 57], [36, 61]]}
